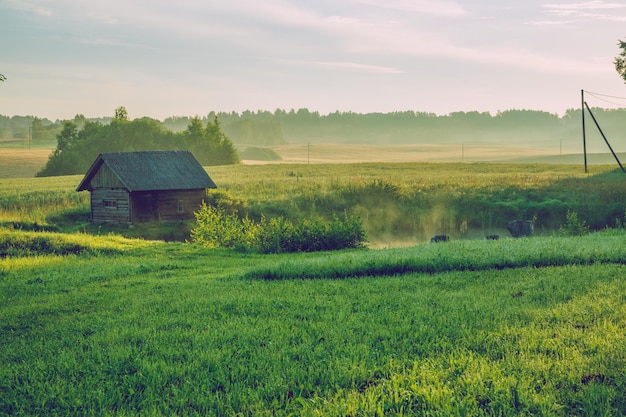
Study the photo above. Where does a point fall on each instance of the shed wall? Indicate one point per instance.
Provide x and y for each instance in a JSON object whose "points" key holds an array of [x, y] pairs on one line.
{"points": [[105, 178], [110, 205], [165, 205]]}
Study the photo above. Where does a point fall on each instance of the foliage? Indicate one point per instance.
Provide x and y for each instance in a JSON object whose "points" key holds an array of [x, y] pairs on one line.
{"points": [[254, 131], [517, 127], [263, 128], [225, 201], [278, 235], [573, 225], [620, 61], [216, 228], [260, 154], [121, 115], [78, 148]]}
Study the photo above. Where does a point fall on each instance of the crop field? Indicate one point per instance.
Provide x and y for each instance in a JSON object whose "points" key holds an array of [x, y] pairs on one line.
{"points": [[95, 323], [22, 163]]}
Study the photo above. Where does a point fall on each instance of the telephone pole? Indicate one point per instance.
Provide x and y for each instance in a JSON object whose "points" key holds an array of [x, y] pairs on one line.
{"points": [[582, 107]]}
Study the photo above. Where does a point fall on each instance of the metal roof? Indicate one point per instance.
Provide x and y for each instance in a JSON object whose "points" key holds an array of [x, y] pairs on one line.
{"points": [[152, 171]]}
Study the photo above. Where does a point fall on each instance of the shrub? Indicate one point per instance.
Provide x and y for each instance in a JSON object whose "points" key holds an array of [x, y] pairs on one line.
{"points": [[215, 228], [573, 225], [310, 235], [225, 201], [276, 235]]}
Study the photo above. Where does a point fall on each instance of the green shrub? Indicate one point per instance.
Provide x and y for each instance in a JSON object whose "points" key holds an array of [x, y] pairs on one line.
{"points": [[224, 201], [574, 226], [216, 228], [310, 235], [276, 235]]}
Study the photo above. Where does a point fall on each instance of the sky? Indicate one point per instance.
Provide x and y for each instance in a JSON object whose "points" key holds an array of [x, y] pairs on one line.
{"points": [[162, 58]]}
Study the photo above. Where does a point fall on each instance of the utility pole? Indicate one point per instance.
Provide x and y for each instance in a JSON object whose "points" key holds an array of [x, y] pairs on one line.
{"points": [[582, 107], [604, 137]]}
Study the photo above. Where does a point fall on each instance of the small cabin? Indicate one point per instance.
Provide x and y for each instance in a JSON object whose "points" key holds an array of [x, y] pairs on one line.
{"points": [[136, 187]]}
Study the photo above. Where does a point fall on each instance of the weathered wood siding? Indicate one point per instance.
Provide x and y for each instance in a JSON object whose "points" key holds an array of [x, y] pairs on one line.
{"points": [[105, 178], [110, 205], [165, 205]]}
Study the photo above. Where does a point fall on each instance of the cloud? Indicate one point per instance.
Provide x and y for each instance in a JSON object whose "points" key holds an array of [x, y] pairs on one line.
{"points": [[443, 8], [356, 67], [590, 10], [30, 7]]}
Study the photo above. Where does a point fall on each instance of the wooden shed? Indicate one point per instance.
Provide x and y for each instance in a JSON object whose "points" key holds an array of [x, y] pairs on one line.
{"points": [[134, 187]]}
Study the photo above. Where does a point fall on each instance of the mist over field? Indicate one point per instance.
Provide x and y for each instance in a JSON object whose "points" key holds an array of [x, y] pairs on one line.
{"points": [[308, 136]]}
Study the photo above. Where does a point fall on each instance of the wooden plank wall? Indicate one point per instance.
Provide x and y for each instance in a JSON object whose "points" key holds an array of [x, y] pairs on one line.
{"points": [[105, 178], [165, 205], [110, 205]]}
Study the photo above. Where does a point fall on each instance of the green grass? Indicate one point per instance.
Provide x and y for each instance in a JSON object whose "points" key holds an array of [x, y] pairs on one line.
{"points": [[462, 255], [173, 329], [92, 323], [409, 202]]}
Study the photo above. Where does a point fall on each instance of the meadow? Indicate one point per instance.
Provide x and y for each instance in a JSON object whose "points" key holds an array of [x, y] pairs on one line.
{"points": [[95, 323]]}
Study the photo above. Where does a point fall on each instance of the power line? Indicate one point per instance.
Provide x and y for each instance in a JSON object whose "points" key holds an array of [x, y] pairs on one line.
{"points": [[604, 95], [600, 96]]}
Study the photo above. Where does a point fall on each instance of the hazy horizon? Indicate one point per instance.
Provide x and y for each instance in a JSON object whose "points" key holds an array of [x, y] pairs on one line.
{"points": [[161, 59]]}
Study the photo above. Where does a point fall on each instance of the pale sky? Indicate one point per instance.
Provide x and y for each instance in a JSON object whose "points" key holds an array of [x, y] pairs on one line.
{"points": [[161, 58]]}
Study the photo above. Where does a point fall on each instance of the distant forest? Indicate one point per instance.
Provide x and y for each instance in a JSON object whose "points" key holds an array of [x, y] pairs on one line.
{"points": [[264, 128]]}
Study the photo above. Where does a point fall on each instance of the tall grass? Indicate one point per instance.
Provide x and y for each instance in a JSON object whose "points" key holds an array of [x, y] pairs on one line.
{"points": [[408, 202], [37, 199]]}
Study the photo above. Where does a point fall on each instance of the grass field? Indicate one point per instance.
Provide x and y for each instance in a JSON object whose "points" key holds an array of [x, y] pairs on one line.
{"points": [[22, 163], [132, 327], [25, 163], [98, 324]]}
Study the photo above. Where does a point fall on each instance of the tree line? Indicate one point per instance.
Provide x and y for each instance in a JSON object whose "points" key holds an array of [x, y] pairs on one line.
{"points": [[78, 146], [264, 128], [510, 127]]}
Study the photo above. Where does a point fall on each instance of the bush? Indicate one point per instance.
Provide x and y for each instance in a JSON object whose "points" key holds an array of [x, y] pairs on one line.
{"points": [[224, 201], [216, 228], [573, 225], [276, 235], [310, 235]]}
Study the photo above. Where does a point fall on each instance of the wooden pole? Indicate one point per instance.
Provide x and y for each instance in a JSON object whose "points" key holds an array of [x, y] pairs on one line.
{"points": [[604, 137], [582, 107]]}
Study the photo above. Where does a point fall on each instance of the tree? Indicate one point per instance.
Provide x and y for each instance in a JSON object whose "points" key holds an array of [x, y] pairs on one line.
{"points": [[37, 129], [620, 61], [121, 114], [67, 136], [77, 147]]}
